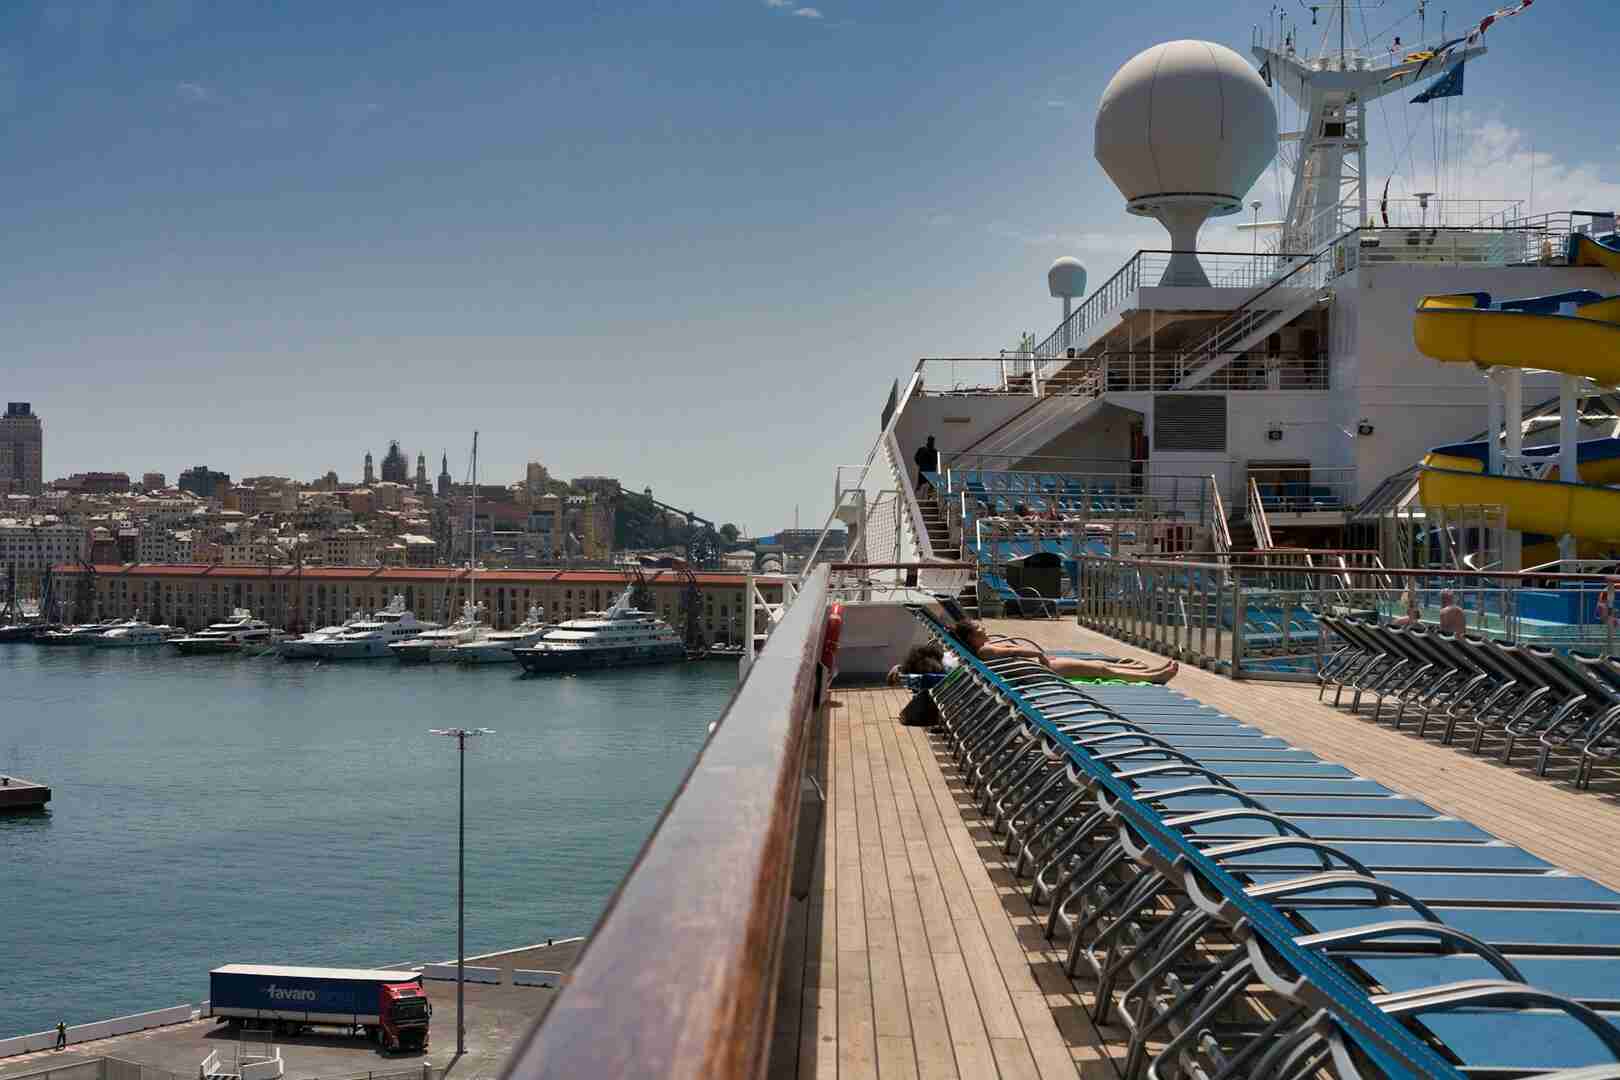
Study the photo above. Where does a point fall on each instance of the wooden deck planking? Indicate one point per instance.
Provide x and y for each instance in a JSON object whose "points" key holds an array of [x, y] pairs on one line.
{"points": [[915, 955], [1570, 828]]}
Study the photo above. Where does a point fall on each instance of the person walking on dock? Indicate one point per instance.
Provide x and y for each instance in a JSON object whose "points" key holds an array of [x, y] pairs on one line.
{"points": [[927, 459], [61, 1034]]}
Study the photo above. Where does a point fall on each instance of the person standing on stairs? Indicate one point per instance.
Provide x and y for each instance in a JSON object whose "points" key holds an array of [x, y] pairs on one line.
{"points": [[927, 459]]}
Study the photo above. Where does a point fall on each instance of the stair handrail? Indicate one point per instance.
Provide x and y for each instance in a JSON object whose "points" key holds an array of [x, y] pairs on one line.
{"points": [[1257, 518], [1213, 341], [912, 518], [1220, 529]]}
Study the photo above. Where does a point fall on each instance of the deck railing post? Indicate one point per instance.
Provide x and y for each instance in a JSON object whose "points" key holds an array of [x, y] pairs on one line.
{"points": [[1237, 626]]}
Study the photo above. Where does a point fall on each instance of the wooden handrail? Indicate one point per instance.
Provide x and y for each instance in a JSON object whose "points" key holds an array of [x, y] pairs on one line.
{"points": [[679, 977]]}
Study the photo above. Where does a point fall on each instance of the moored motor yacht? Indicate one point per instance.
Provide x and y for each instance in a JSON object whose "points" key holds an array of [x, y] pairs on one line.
{"points": [[496, 646], [437, 646], [618, 637], [80, 634], [370, 638], [134, 633], [302, 646], [240, 633]]}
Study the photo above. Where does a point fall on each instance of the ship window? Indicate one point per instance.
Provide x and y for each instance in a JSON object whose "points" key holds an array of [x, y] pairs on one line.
{"points": [[1189, 422]]}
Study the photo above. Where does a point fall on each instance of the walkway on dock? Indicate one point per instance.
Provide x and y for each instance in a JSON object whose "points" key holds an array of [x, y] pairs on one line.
{"points": [[916, 954]]}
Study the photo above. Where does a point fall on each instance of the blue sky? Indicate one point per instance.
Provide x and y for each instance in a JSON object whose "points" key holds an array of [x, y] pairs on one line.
{"points": [[685, 244]]}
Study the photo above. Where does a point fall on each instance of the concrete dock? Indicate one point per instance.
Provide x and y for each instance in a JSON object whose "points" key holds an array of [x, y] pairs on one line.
{"points": [[498, 1017], [19, 794]]}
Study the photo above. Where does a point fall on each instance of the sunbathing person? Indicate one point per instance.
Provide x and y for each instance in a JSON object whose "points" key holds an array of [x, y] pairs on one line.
{"points": [[975, 637]]}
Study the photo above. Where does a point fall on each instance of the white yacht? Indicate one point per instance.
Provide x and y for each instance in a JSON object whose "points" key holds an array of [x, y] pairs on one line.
{"points": [[80, 634], [496, 646], [240, 633], [134, 633], [371, 637], [618, 637], [437, 646], [301, 647]]}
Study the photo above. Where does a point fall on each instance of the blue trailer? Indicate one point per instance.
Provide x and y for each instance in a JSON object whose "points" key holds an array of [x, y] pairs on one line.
{"points": [[388, 1007]]}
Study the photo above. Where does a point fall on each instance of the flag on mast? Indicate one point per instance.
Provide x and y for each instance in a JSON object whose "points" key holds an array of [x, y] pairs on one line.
{"points": [[1448, 85]]}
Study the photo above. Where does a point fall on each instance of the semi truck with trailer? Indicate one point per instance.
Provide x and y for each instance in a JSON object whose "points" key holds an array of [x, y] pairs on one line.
{"points": [[388, 1007]]}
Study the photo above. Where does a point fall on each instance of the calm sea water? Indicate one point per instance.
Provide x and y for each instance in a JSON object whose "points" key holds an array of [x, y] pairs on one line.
{"points": [[213, 810]]}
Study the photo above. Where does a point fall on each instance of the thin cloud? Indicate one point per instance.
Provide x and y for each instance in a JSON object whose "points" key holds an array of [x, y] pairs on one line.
{"points": [[196, 93], [787, 7]]}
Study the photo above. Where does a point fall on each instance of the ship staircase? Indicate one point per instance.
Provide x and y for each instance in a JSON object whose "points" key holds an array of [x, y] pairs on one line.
{"points": [[1263, 314], [943, 546]]}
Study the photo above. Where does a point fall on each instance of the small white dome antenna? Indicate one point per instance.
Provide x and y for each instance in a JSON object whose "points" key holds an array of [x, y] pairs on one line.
{"points": [[1066, 280], [1184, 130]]}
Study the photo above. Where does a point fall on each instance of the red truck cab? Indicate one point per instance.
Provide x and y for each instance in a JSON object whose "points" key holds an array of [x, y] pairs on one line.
{"points": [[405, 1013]]}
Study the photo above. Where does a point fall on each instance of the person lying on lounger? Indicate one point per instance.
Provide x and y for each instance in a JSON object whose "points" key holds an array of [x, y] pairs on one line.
{"points": [[975, 637]]}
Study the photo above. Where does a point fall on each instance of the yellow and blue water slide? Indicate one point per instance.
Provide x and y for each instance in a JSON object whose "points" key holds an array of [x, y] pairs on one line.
{"points": [[1573, 333], [1601, 251]]}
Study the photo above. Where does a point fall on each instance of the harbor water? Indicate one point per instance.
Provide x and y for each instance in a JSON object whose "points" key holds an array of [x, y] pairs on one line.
{"points": [[213, 810]]}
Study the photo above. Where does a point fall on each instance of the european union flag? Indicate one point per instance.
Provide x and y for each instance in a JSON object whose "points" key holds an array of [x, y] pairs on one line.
{"points": [[1448, 85]]}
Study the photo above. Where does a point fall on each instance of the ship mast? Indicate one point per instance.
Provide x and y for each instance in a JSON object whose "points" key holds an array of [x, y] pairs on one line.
{"points": [[1329, 193]]}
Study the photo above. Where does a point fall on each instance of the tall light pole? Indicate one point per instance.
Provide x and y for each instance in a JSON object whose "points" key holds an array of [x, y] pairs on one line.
{"points": [[461, 735]]}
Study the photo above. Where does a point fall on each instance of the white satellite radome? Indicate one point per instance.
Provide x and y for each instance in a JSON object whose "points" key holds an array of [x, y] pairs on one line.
{"points": [[1066, 280], [1184, 130]]}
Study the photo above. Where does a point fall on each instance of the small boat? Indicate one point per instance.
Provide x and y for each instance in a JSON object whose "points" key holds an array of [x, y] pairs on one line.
{"points": [[80, 634], [497, 646], [437, 646], [19, 631], [370, 638], [619, 637], [134, 633], [302, 647], [241, 633]]}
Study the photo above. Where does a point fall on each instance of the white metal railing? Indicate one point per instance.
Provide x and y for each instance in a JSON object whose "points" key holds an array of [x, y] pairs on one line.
{"points": [[1220, 529], [1257, 518]]}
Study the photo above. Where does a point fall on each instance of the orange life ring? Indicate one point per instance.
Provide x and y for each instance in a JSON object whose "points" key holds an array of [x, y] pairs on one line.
{"points": [[829, 639]]}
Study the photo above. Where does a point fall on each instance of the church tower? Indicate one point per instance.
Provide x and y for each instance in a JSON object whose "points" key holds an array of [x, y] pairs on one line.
{"points": [[421, 475], [444, 477], [371, 473]]}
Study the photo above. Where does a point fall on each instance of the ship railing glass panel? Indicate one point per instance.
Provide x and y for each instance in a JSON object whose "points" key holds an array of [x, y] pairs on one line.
{"points": [[1260, 614], [1243, 908]]}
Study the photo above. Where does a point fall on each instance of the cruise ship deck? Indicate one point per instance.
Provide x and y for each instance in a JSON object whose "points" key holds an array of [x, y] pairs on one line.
{"points": [[918, 954]]}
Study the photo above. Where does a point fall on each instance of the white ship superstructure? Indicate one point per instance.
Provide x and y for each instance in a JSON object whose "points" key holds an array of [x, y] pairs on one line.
{"points": [[1273, 390]]}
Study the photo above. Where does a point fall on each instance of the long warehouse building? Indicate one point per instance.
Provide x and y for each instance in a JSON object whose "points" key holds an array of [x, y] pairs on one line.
{"points": [[299, 599]]}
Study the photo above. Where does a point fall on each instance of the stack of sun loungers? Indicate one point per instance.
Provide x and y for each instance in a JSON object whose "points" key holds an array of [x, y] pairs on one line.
{"points": [[1498, 696], [1244, 909]]}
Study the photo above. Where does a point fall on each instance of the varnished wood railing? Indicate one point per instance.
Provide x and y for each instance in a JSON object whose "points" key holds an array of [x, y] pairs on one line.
{"points": [[679, 977]]}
